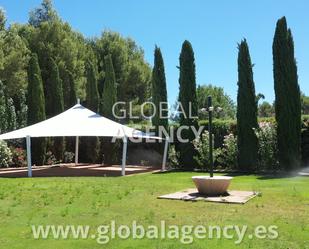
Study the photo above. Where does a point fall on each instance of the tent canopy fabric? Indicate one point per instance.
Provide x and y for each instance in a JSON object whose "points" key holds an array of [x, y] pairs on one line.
{"points": [[77, 121]]}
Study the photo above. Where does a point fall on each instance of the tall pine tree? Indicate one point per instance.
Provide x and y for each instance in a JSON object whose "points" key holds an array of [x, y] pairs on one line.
{"points": [[2, 19], [159, 92], [188, 100], [36, 108], [287, 97], [45, 13], [247, 142]]}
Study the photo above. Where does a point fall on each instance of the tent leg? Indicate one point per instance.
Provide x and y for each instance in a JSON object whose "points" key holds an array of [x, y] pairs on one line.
{"points": [[124, 156], [165, 154], [76, 149], [28, 142]]}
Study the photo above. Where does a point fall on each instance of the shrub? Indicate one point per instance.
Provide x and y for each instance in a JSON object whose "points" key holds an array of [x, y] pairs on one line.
{"points": [[173, 156], [305, 146], [305, 122], [5, 155], [50, 158], [220, 129], [271, 120], [267, 137], [68, 157], [18, 157], [202, 147], [227, 155]]}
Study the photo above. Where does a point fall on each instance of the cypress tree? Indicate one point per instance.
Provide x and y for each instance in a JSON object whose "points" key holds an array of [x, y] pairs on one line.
{"points": [[247, 142], [72, 97], [69, 90], [159, 93], [109, 95], [3, 113], [55, 92], [188, 100], [287, 97], [109, 98], [91, 145], [36, 108], [69, 100], [22, 109], [55, 105], [92, 93], [11, 114]]}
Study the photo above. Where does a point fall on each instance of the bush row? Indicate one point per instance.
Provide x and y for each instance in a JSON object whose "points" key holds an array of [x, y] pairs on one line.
{"points": [[12, 156], [223, 128], [224, 137], [225, 134]]}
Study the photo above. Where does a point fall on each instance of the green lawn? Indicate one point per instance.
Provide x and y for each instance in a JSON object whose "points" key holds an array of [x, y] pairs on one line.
{"points": [[95, 201]]}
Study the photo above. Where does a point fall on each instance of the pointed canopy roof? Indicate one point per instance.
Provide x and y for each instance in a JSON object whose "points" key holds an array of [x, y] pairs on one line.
{"points": [[77, 121]]}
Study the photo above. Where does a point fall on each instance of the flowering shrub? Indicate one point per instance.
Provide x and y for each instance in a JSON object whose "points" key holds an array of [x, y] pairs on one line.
{"points": [[173, 156], [201, 144], [227, 155], [305, 123], [5, 155], [18, 157], [50, 158], [68, 157], [267, 137]]}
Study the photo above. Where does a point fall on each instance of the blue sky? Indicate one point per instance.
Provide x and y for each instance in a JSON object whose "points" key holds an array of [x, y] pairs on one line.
{"points": [[213, 27]]}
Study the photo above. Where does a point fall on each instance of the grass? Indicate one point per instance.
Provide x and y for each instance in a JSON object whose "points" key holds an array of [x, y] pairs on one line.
{"points": [[98, 200]]}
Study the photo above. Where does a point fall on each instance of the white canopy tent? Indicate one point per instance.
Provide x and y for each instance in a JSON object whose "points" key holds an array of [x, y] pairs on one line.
{"points": [[79, 121]]}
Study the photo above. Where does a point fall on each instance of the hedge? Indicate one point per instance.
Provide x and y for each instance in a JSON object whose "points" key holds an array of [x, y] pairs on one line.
{"points": [[222, 128]]}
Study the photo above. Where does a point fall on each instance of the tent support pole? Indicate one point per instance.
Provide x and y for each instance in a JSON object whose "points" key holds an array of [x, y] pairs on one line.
{"points": [[124, 156], [76, 149], [28, 143], [165, 154]]}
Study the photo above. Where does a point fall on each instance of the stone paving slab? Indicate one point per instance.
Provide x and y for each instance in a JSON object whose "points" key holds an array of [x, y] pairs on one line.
{"points": [[232, 196]]}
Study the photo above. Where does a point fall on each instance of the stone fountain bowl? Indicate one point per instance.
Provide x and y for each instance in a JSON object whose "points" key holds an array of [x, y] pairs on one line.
{"points": [[212, 186]]}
